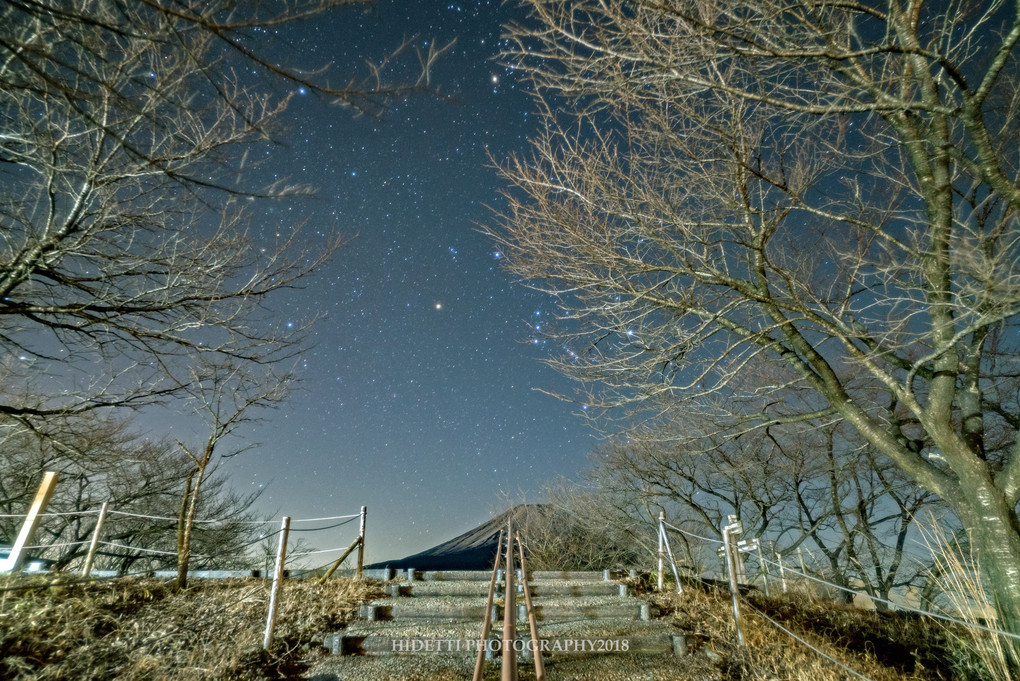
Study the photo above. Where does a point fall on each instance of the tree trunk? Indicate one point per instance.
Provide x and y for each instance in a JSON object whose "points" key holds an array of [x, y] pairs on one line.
{"points": [[995, 537], [184, 532]]}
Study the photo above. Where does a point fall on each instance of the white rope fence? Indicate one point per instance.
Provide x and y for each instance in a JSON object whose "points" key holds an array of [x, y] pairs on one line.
{"points": [[734, 528], [50, 515], [794, 636], [128, 549], [902, 606], [225, 521]]}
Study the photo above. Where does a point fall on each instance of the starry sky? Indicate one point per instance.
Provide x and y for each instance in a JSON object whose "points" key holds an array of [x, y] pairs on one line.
{"points": [[419, 396]]}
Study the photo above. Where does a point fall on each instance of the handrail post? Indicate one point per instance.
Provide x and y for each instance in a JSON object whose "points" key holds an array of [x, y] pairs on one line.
{"points": [[483, 643], [90, 557], [532, 620], [509, 662]]}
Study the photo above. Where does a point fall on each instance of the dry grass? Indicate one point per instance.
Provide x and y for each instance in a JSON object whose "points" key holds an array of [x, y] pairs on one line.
{"points": [[881, 647], [960, 589], [134, 629]]}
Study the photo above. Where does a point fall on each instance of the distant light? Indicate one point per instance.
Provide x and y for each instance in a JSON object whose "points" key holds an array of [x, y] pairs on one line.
{"points": [[495, 79], [439, 306]]}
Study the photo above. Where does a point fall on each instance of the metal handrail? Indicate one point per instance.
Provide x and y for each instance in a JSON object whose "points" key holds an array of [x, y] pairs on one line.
{"points": [[483, 644]]}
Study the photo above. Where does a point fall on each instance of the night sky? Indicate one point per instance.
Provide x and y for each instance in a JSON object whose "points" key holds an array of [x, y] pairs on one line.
{"points": [[419, 396]]}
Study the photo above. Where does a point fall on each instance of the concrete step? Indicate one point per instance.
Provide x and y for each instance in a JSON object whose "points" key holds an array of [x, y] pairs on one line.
{"points": [[541, 589], [349, 644], [571, 576], [469, 609], [438, 610], [454, 575], [484, 575], [441, 613], [573, 637]]}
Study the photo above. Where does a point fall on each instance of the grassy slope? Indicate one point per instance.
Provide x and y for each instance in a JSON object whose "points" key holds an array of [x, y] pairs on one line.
{"points": [[130, 629]]}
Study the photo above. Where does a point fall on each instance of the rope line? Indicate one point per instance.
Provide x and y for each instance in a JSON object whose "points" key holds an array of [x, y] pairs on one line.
{"points": [[805, 643], [327, 527], [919, 611], [312, 553], [55, 514], [225, 521], [57, 546], [691, 534], [332, 517], [156, 551], [228, 521]]}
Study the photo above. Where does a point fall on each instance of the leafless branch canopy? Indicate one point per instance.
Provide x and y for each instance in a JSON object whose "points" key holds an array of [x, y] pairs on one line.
{"points": [[128, 137], [791, 209]]}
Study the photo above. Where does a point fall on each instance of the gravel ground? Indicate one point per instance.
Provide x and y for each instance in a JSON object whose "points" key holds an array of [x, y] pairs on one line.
{"points": [[460, 668]]}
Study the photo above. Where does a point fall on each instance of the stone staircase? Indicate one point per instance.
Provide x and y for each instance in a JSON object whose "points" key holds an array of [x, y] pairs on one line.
{"points": [[441, 613]]}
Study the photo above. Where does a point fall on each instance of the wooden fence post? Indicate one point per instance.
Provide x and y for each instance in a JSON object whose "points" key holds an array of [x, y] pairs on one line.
{"points": [[734, 528], [42, 497], [672, 559], [361, 543], [803, 572], [662, 549], [338, 561], [764, 571], [281, 558], [95, 540]]}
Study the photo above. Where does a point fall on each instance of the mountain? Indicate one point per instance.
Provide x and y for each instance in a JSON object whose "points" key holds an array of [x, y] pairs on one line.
{"points": [[473, 550]]}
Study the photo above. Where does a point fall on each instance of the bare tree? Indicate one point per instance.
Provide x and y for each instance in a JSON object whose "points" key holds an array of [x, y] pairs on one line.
{"points": [[561, 535], [105, 460], [127, 133], [225, 398], [827, 188]]}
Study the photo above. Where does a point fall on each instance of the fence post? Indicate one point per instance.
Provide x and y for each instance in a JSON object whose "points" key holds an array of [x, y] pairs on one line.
{"points": [[662, 548], [672, 559], [509, 663], [338, 561], [764, 571], [782, 570], [734, 528], [281, 558], [361, 543], [803, 572], [42, 497], [95, 540]]}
